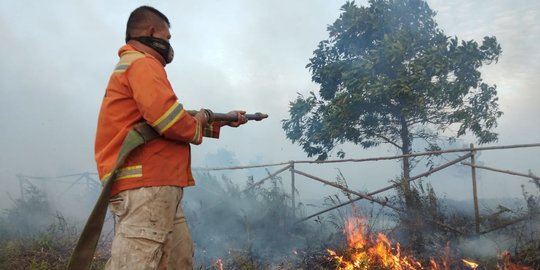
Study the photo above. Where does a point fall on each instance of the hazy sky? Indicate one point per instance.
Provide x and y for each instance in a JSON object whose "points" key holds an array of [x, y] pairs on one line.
{"points": [[239, 54]]}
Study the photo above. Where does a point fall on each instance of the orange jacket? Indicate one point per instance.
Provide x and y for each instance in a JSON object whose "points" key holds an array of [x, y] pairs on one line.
{"points": [[139, 90]]}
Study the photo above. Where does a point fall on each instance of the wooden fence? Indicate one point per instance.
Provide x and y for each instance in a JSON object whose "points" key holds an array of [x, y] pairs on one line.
{"points": [[467, 154], [89, 182]]}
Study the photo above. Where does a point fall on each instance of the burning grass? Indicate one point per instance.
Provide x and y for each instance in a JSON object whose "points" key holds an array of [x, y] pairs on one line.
{"points": [[364, 251], [256, 247]]}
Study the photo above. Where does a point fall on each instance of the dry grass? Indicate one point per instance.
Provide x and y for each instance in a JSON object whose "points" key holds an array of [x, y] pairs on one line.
{"points": [[48, 249]]}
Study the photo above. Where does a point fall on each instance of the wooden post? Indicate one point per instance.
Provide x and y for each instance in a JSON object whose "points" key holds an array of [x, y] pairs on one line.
{"points": [[293, 191], [475, 191]]}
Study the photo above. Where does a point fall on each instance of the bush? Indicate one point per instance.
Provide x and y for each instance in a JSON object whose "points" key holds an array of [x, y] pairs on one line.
{"points": [[34, 237]]}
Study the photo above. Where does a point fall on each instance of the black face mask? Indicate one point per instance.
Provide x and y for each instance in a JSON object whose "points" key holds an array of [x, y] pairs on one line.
{"points": [[159, 45]]}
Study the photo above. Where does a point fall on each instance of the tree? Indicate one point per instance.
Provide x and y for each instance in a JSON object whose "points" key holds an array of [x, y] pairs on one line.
{"points": [[389, 75]]}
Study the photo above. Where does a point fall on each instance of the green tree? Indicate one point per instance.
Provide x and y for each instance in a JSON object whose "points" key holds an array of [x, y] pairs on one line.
{"points": [[389, 75]]}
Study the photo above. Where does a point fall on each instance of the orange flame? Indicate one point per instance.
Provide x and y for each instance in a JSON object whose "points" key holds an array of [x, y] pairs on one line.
{"points": [[505, 257], [364, 252], [470, 264], [219, 264], [367, 253]]}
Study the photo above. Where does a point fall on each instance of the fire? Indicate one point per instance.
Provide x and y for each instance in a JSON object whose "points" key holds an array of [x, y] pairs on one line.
{"points": [[507, 265], [219, 264], [366, 253], [470, 264]]}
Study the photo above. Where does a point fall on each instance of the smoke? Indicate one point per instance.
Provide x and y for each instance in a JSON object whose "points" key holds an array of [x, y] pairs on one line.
{"points": [[251, 55], [515, 238], [231, 55]]}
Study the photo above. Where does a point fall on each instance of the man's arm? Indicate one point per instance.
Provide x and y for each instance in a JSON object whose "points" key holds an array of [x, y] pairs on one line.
{"points": [[159, 105]]}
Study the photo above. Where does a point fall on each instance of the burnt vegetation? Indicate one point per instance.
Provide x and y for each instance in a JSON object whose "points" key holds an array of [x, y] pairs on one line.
{"points": [[33, 235], [253, 227]]}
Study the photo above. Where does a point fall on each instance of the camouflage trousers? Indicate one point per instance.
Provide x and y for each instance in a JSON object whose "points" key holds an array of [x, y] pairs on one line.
{"points": [[151, 231]]}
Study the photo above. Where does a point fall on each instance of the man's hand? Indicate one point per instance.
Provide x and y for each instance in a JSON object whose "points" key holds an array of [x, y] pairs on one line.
{"points": [[240, 115], [202, 117]]}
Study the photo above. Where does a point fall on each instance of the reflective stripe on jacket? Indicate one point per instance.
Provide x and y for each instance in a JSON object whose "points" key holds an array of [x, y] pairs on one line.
{"points": [[139, 90]]}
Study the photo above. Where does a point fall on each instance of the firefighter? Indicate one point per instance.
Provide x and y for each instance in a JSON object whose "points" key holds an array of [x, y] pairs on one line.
{"points": [[150, 228]]}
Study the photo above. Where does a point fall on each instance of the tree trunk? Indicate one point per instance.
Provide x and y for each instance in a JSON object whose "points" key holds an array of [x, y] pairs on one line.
{"points": [[412, 219], [405, 150]]}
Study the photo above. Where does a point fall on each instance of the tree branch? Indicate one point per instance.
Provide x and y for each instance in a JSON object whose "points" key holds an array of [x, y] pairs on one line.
{"points": [[389, 141]]}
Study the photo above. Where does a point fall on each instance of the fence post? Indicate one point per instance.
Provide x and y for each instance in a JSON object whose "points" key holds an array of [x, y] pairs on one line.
{"points": [[293, 191], [475, 191]]}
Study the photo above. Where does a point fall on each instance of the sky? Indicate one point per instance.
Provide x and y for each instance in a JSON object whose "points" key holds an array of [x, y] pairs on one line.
{"points": [[238, 54]]}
